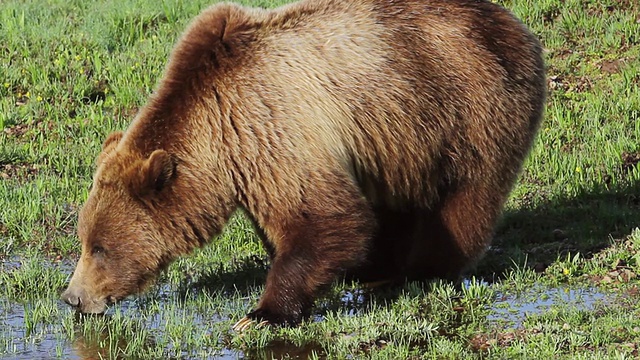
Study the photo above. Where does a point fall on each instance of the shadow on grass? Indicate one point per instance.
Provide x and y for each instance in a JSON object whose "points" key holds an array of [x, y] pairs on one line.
{"points": [[537, 236], [534, 236], [247, 274], [531, 236]]}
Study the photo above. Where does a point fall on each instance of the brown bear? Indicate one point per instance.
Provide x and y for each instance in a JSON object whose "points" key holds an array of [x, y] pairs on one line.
{"points": [[374, 137]]}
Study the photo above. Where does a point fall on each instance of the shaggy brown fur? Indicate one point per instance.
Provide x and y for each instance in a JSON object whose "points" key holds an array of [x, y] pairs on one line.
{"points": [[376, 136]]}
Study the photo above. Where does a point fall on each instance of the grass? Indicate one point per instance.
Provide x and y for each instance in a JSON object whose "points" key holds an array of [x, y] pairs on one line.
{"points": [[560, 280]]}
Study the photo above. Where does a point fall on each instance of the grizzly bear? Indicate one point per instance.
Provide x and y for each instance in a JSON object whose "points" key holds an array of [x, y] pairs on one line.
{"points": [[373, 138]]}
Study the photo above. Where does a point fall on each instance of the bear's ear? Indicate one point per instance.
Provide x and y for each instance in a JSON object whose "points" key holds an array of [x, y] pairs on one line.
{"points": [[109, 144], [156, 172]]}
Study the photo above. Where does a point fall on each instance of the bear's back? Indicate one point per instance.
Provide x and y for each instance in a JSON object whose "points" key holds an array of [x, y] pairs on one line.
{"points": [[402, 94]]}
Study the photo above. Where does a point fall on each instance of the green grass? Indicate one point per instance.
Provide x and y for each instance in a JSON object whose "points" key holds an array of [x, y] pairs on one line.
{"points": [[72, 71]]}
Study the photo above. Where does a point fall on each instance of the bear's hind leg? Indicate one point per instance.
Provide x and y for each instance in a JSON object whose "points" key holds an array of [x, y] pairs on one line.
{"points": [[455, 233], [388, 251], [326, 235]]}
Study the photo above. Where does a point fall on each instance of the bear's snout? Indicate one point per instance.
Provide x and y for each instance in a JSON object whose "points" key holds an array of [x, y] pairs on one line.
{"points": [[71, 297], [83, 302]]}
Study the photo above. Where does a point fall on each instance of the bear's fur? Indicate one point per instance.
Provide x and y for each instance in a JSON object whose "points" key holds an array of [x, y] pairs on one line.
{"points": [[378, 137]]}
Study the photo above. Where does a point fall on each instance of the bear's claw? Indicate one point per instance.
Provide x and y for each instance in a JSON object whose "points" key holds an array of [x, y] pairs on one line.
{"points": [[245, 323]]}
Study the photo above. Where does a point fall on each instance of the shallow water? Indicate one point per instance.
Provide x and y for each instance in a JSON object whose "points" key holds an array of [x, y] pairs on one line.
{"points": [[49, 341], [42, 344], [512, 310]]}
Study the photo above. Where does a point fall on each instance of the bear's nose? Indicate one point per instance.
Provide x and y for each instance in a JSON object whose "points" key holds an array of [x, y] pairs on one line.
{"points": [[71, 298]]}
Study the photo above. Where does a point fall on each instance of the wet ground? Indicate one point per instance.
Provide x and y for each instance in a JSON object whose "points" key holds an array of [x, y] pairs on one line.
{"points": [[512, 310], [49, 341], [43, 345], [25, 346]]}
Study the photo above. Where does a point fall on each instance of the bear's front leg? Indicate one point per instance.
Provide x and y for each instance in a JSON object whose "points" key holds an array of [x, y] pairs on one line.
{"points": [[324, 235]]}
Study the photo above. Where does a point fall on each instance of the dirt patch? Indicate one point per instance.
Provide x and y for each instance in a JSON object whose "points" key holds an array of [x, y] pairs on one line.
{"points": [[611, 66], [17, 130], [22, 131], [484, 342], [570, 82], [18, 171], [551, 14], [620, 275], [367, 346], [98, 93], [126, 113], [622, 269], [599, 9], [630, 161]]}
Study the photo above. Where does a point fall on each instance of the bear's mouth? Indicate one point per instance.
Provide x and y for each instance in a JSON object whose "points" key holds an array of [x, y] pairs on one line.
{"points": [[96, 306]]}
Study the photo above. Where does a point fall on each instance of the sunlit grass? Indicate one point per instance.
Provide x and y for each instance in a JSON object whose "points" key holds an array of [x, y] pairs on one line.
{"points": [[72, 71]]}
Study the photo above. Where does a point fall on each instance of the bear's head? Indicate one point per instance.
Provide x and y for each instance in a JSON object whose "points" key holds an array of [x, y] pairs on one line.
{"points": [[122, 240]]}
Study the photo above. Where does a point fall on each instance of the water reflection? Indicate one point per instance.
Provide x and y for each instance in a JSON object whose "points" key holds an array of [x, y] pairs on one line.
{"points": [[284, 350], [513, 310], [100, 347]]}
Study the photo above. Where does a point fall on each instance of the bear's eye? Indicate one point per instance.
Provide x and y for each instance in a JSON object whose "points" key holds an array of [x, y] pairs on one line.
{"points": [[97, 250]]}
